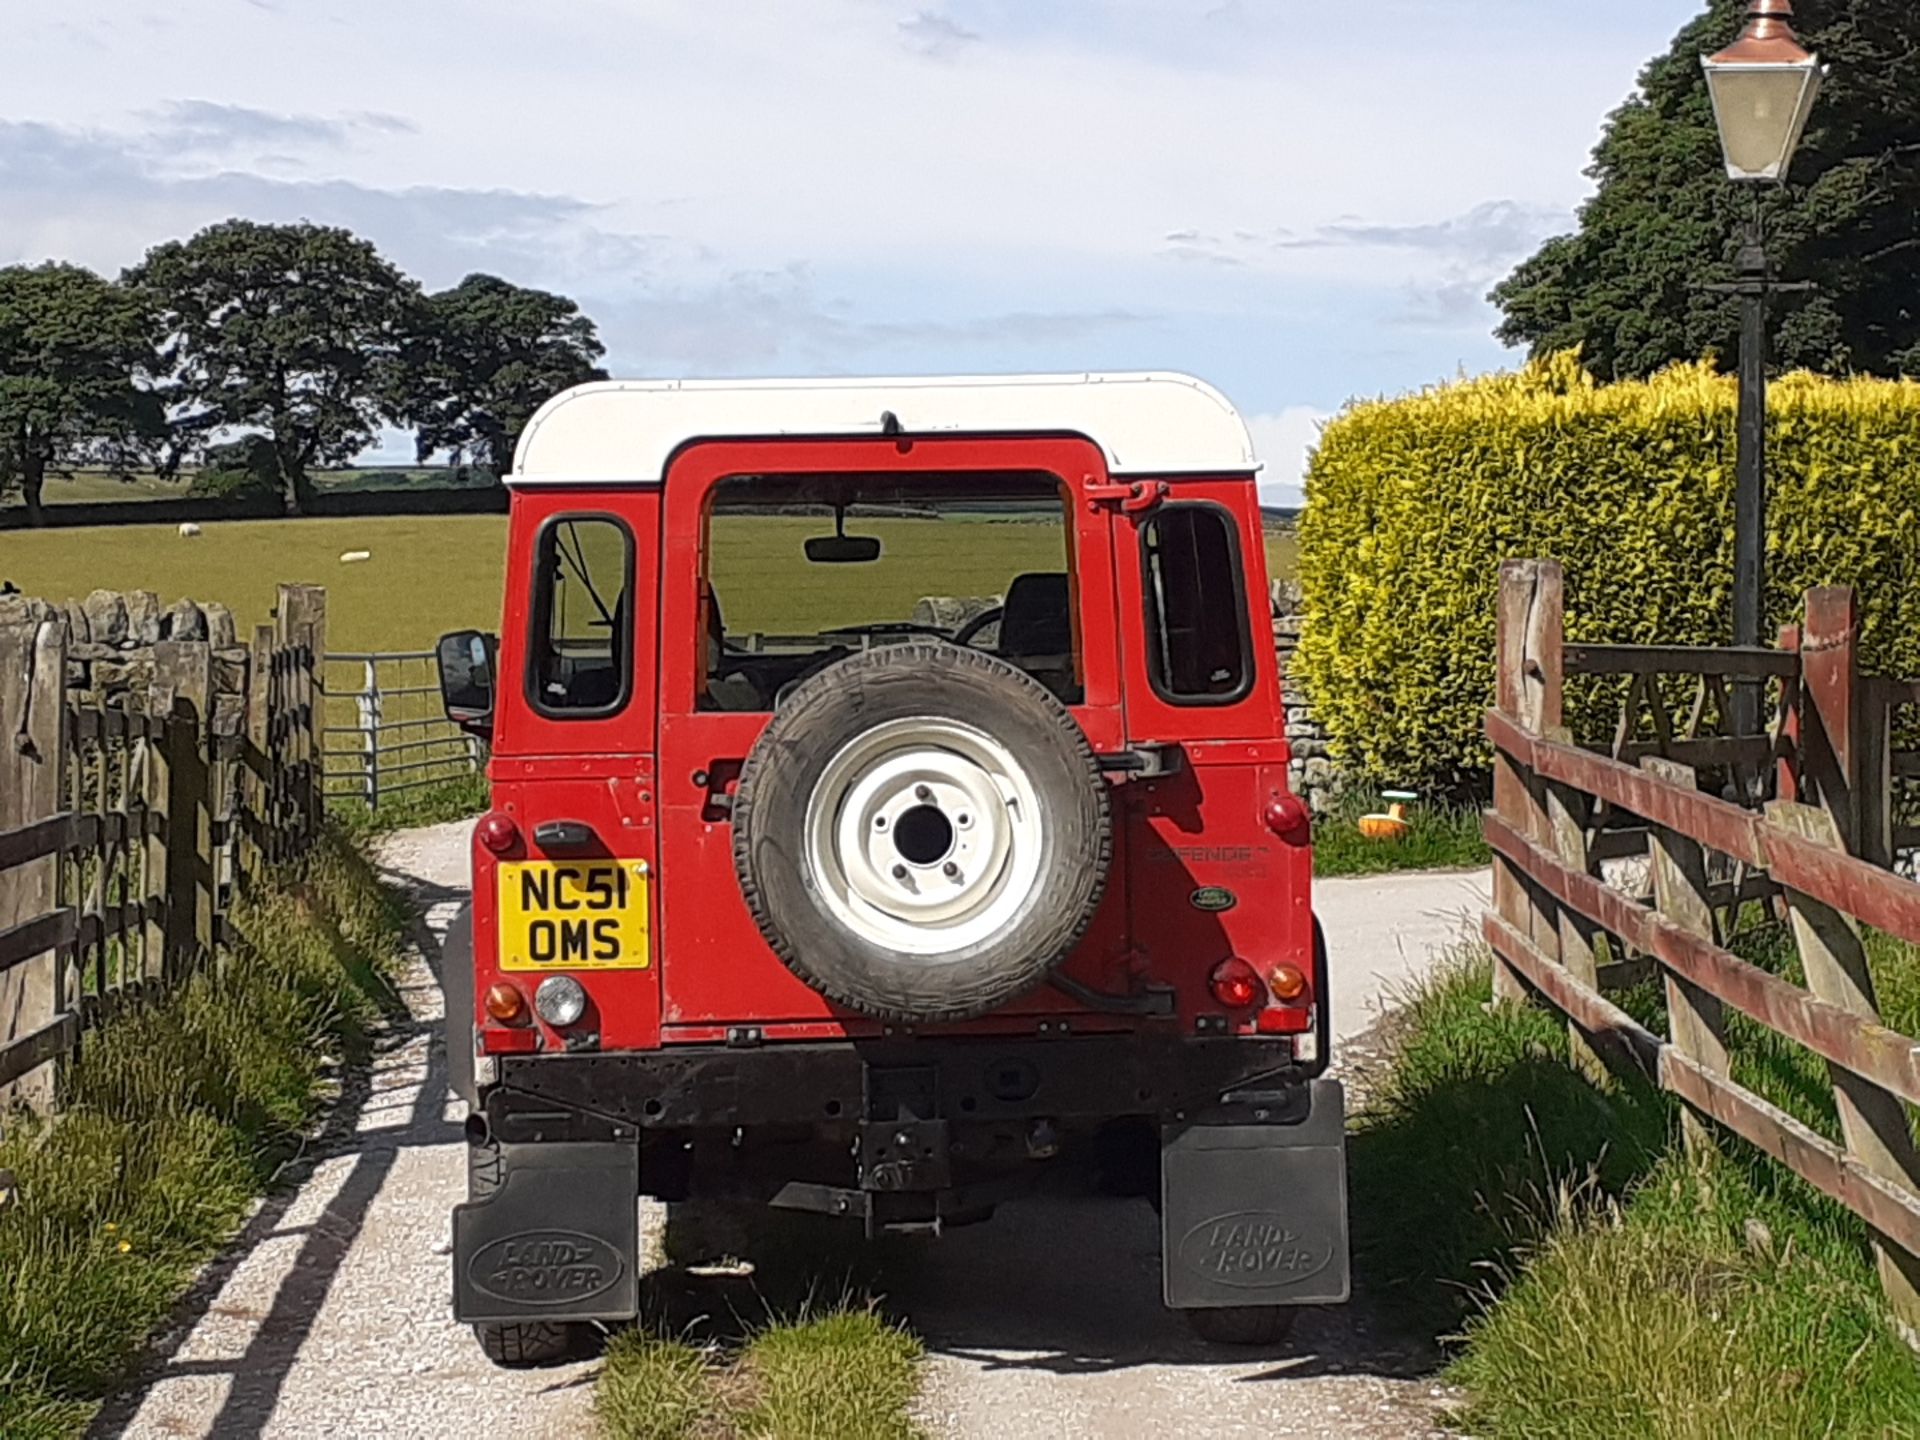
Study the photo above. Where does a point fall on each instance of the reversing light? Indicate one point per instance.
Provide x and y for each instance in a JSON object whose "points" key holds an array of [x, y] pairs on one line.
{"points": [[498, 832], [1288, 983], [505, 1003], [1235, 984], [560, 1000]]}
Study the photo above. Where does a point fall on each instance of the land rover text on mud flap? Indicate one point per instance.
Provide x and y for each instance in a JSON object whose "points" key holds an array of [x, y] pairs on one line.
{"points": [[890, 810]]}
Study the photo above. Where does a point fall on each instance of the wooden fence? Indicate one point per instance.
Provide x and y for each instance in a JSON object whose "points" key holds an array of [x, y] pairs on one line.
{"points": [[385, 731], [1796, 818], [131, 814]]}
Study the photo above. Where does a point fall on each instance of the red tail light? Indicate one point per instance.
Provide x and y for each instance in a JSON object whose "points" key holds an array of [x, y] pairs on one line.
{"points": [[1236, 985], [498, 832]]}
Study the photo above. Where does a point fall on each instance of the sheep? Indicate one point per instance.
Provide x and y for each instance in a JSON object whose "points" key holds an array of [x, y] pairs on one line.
{"points": [[188, 530]]}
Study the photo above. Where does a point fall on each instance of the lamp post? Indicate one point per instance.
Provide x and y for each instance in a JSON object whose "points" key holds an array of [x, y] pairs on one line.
{"points": [[1763, 88]]}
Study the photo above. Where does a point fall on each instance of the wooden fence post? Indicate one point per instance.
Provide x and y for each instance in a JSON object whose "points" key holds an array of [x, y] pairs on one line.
{"points": [[303, 625], [1531, 632], [1873, 1121], [1567, 838], [1875, 773], [33, 759], [183, 677], [1695, 1019], [257, 798], [1830, 725]]}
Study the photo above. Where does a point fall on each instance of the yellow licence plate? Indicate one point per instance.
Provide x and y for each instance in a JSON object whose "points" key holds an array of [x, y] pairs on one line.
{"points": [[573, 915]]}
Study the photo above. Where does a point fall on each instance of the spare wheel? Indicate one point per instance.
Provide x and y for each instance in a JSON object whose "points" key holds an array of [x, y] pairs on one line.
{"points": [[922, 832]]}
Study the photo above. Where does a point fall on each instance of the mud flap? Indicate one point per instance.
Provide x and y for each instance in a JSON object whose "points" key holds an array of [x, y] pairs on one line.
{"points": [[559, 1240], [1254, 1212]]}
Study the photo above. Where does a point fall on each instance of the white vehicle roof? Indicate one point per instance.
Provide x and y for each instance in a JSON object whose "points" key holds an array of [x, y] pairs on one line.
{"points": [[626, 431]]}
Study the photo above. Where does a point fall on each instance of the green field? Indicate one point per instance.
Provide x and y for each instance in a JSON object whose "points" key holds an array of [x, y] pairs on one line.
{"points": [[432, 574], [428, 574]]}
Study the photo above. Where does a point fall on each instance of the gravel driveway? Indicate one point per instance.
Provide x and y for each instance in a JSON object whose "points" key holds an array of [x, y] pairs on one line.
{"points": [[329, 1316]]}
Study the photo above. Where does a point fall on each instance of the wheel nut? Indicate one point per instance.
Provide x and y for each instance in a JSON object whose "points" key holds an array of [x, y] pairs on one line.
{"points": [[950, 870], [922, 794], [899, 872]]}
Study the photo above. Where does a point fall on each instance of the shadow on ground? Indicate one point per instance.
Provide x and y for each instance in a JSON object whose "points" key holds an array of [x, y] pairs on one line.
{"points": [[1065, 1285], [373, 1118]]}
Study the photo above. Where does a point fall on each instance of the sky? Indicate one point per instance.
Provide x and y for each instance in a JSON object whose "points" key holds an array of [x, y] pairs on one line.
{"points": [[1301, 202]]}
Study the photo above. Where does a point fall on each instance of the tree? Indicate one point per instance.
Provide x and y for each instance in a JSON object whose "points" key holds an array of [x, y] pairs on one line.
{"points": [[294, 331], [71, 348], [488, 354], [1630, 287]]}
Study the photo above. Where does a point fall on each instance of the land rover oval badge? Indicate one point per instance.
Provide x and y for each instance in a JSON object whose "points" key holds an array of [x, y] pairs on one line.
{"points": [[1214, 899]]}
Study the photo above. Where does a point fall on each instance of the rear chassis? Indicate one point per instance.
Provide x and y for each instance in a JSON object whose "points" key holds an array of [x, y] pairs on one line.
{"points": [[1241, 1146]]}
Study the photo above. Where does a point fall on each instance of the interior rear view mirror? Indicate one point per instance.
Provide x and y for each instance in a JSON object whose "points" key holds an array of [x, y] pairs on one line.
{"points": [[466, 679], [843, 549]]}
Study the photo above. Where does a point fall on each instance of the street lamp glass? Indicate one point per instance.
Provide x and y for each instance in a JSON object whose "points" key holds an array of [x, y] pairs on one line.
{"points": [[1762, 111]]}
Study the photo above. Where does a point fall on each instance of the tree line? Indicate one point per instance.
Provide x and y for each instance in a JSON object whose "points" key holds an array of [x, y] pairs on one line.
{"points": [[1633, 288], [270, 351]]}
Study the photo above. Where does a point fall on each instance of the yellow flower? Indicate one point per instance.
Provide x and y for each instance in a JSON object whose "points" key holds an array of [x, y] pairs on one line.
{"points": [[111, 1227], [125, 1246]]}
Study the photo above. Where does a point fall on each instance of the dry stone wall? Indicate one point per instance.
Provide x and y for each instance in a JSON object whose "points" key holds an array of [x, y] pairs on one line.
{"points": [[1316, 778], [111, 639]]}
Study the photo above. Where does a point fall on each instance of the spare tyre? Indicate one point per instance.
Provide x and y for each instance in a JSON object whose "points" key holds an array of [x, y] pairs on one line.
{"points": [[922, 832]]}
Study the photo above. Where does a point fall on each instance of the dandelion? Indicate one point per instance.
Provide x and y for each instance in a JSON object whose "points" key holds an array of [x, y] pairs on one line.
{"points": [[110, 1227], [125, 1246]]}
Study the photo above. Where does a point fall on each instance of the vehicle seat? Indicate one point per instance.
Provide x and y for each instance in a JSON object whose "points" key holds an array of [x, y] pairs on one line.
{"points": [[1036, 631], [735, 692]]}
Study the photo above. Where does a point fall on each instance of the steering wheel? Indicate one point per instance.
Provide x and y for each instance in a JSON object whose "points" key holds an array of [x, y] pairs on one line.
{"points": [[890, 627], [966, 633]]}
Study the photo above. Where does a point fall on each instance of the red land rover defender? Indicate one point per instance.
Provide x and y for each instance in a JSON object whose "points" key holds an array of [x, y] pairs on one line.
{"points": [[890, 807]]}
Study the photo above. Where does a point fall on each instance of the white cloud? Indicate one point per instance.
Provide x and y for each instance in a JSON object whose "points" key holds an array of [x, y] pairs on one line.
{"points": [[935, 35], [1285, 442], [800, 187]]}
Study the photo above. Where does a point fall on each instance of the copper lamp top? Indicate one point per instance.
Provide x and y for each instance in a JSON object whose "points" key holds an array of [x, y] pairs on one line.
{"points": [[1768, 38]]}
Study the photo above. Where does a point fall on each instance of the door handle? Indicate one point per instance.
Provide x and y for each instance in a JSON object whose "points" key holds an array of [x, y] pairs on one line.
{"points": [[564, 835]]}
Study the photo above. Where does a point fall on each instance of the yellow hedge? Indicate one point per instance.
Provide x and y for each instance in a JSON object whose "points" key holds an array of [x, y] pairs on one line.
{"points": [[1414, 503]]}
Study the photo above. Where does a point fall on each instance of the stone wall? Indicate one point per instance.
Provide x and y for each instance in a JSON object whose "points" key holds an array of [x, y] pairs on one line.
{"points": [[111, 637], [1315, 776]]}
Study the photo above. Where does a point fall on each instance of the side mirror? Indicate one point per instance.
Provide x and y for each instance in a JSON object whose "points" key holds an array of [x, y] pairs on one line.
{"points": [[466, 679]]}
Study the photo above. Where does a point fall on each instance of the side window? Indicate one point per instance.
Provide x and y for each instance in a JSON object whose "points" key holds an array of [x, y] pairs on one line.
{"points": [[580, 654], [1197, 648]]}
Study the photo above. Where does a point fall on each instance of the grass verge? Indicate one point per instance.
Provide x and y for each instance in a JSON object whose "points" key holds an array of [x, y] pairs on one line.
{"points": [[787, 1346], [848, 1374], [1444, 837], [455, 799], [1596, 1282], [177, 1114]]}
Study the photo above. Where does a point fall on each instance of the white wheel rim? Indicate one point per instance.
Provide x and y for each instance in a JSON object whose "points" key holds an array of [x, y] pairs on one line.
{"points": [[924, 836]]}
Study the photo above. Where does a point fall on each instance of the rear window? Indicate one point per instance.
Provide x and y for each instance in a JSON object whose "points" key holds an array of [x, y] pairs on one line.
{"points": [[1197, 644], [803, 570], [580, 655]]}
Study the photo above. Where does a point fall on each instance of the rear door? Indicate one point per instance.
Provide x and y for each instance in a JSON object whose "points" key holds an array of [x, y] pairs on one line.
{"points": [[1209, 879], [738, 605]]}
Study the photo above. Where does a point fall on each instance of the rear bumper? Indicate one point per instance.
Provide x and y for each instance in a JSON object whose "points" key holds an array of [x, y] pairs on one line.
{"points": [[1072, 1077]]}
